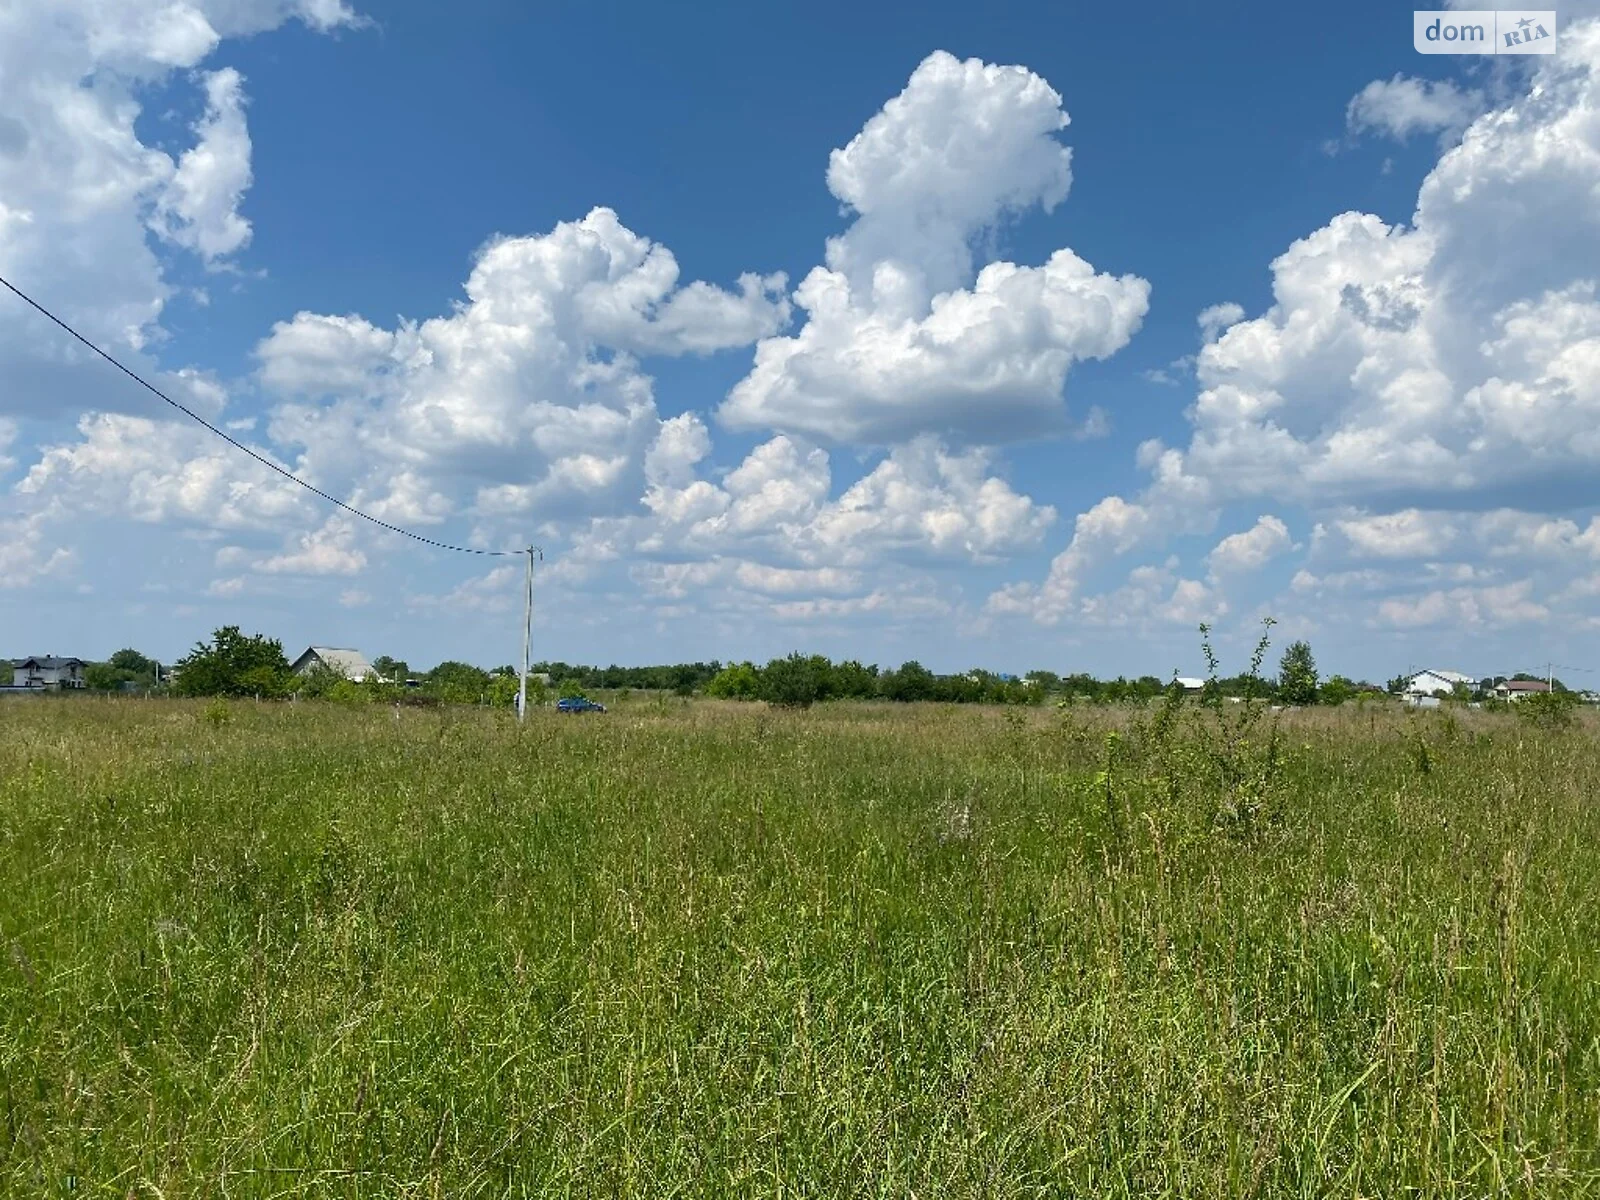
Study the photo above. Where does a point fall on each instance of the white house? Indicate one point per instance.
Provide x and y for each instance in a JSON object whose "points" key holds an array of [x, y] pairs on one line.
{"points": [[351, 664], [47, 671], [1436, 683], [1516, 689], [1189, 684]]}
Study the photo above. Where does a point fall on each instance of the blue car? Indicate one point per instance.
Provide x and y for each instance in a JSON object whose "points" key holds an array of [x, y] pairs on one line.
{"points": [[579, 704]]}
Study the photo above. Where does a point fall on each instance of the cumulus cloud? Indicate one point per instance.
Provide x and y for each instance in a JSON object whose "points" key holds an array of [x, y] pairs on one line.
{"points": [[1216, 318], [200, 207], [1251, 549], [80, 188], [530, 389], [1509, 604], [922, 502], [159, 472], [901, 337], [1502, 533], [1427, 358], [1212, 321], [27, 552], [1113, 526], [1406, 105], [1405, 376], [326, 551], [1409, 533], [498, 590], [1153, 596]]}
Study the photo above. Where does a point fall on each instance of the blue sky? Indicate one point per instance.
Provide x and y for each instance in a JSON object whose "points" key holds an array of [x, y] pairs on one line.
{"points": [[972, 452]]}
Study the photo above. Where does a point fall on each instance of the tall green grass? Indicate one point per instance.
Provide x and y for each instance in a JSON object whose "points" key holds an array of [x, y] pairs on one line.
{"points": [[693, 949]]}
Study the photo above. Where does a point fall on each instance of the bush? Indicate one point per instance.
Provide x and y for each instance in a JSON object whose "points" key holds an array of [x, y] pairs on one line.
{"points": [[739, 681], [346, 691], [233, 664], [502, 692], [910, 683], [457, 683], [318, 682], [1548, 710], [1336, 691], [791, 682]]}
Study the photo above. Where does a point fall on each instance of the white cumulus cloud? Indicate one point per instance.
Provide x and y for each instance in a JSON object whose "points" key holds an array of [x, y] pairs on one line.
{"points": [[1405, 376], [901, 337], [1405, 105], [1252, 549]]}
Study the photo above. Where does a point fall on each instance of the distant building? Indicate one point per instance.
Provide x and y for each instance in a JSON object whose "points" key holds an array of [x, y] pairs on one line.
{"points": [[1189, 683], [47, 671], [1436, 683], [351, 664], [1516, 689]]}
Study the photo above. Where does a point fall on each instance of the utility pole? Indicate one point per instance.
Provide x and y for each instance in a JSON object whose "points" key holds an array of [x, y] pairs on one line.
{"points": [[527, 632]]}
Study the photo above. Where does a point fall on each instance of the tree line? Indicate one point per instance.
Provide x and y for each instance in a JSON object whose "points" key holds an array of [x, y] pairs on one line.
{"points": [[233, 663]]}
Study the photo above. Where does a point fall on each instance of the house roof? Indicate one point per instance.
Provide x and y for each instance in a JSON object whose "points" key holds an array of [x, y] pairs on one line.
{"points": [[351, 663], [1189, 684], [47, 662], [1525, 685], [1447, 676]]}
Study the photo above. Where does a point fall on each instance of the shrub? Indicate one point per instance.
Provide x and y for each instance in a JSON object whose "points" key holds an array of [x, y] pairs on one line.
{"points": [[346, 691], [1548, 710], [790, 682], [738, 681], [233, 664]]}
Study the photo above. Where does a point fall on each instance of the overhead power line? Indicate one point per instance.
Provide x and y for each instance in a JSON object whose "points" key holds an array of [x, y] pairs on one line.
{"points": [[238, 445]]}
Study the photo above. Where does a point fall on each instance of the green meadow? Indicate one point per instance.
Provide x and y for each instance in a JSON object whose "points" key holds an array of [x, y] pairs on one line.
{"points": [[701, 948]]}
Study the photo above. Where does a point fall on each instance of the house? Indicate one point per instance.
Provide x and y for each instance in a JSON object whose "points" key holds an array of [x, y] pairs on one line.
{"points": [[47, 671], [1189, 684], [1435, 683], [351, 664], [1516, 689]]}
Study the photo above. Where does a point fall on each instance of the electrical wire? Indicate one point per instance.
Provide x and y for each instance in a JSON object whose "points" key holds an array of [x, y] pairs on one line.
{"points": [[238, 445]]}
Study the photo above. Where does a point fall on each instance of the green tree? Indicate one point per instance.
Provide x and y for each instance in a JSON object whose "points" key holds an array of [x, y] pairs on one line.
{"points": [[123, 667], [102, 677], [1336, 691], [1044, 681], [136, 664], [912, 682], [737, 681], [318, 683], [791, 682], [234, 664], [1297, 675], [457, 682], [854, 681]]}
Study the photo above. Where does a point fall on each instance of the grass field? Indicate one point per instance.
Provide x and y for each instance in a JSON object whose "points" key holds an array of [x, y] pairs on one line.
{"points": [[702, 949]]}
